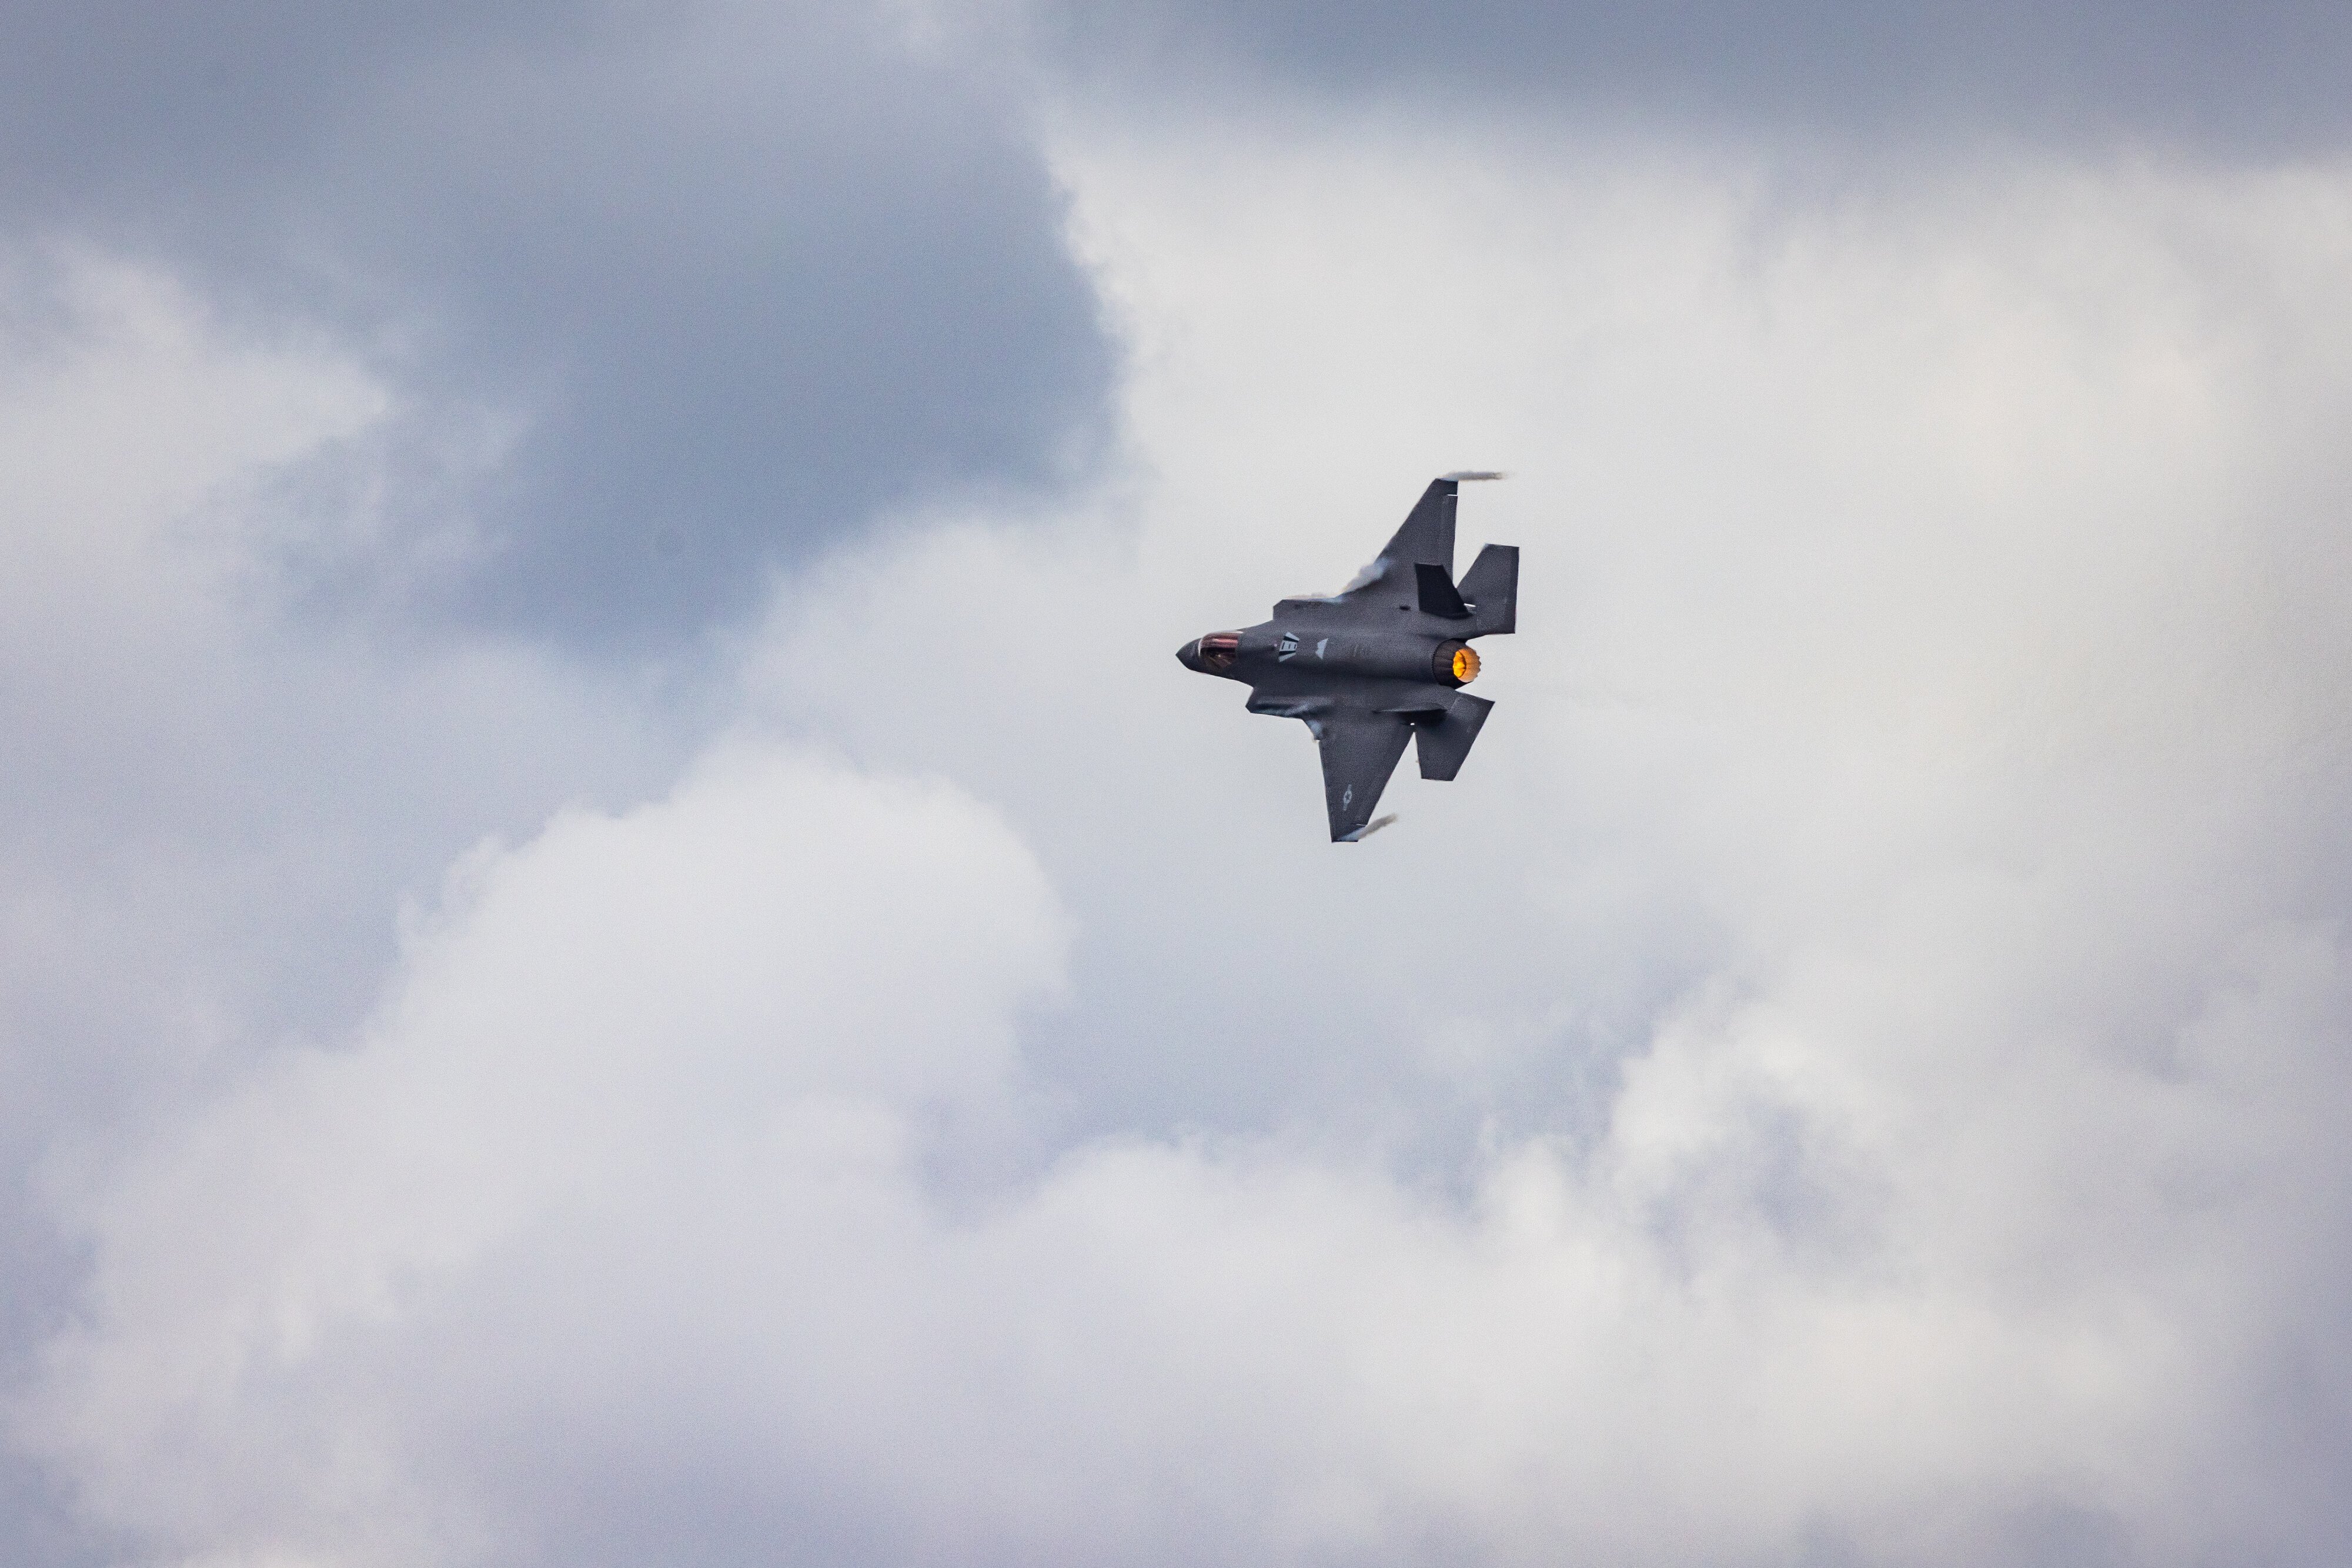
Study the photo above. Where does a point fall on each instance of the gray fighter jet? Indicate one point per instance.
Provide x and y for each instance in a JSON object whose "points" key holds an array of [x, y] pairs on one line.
{"points": [[1385, 658]]}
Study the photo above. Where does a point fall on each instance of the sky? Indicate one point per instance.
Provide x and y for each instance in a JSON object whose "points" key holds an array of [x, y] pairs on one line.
{"points": [[620, 943]]}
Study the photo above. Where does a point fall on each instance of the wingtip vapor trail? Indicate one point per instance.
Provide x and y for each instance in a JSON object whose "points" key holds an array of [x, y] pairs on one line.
{"points": [[1464, 476]]}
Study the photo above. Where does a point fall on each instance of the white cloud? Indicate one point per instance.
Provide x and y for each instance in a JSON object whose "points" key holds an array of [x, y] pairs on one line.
{"points": [[215, 802], [680, 1029]]}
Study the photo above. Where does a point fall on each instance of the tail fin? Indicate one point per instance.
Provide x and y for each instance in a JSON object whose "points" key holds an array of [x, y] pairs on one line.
{"points": [[1492, 587], [1438, 596]]}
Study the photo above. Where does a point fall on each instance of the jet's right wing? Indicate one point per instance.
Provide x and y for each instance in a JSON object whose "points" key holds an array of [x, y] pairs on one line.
{"points": [[1359, 751]]}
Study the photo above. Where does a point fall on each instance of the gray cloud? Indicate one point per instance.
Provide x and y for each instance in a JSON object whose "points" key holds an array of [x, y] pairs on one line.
{"points": [[2260, 79], [742, 275]]}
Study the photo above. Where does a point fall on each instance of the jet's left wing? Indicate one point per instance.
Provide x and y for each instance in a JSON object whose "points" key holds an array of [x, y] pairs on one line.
{"points": [[1425, 539], [1418, 559], [1359, 751]]}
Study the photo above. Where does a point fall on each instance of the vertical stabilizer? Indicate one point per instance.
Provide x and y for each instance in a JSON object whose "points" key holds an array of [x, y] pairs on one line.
{"points": [[1492, 588]]}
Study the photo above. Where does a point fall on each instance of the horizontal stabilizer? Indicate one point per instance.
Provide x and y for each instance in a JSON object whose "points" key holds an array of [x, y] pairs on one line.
{"points": [[1445, 745], [1492, 590], [1437, 593]]}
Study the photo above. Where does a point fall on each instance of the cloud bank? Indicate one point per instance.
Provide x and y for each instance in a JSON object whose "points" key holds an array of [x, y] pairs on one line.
{"points": [[1852, 1074]]}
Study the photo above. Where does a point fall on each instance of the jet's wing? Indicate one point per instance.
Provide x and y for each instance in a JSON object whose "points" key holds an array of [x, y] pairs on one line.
{"points": [[1426, 540], [1359, 751]]}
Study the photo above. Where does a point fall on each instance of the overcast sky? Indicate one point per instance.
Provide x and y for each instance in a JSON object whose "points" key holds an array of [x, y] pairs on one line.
{"points": [[622, 943]]}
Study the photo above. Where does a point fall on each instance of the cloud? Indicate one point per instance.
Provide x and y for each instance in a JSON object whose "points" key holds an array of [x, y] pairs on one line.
{"points": [[183, 729], [612, 1235], [1851, 1072], [731, 276], [632, 1059], [1847, 76], [215, 806]]}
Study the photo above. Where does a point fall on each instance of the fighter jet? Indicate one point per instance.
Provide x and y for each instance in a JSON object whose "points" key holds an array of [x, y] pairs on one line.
{"points": [[1385, 658]]}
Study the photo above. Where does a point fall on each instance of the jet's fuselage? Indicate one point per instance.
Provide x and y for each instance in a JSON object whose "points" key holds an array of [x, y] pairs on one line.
{"points": [[1294, 651]]}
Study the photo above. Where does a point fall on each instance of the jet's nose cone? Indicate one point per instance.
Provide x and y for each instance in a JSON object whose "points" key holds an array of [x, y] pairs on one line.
{"points": [[1212, 655]]}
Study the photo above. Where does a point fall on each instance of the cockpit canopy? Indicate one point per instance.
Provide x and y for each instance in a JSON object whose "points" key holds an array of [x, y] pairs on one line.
{"points": [[1220, 649]]}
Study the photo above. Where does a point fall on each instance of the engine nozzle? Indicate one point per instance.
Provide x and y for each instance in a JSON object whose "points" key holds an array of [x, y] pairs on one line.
{"points": [[1457, 663]]}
